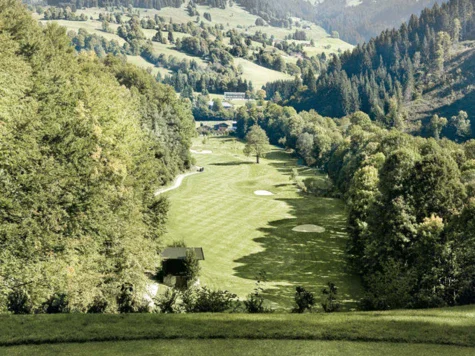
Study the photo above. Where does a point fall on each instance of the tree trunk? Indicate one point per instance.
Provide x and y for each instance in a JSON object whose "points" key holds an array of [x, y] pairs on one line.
{"points": [[257, 159]]}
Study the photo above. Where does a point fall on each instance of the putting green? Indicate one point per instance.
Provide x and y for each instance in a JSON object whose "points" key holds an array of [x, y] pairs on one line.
{"points": [[243, 234], [309, 228]]}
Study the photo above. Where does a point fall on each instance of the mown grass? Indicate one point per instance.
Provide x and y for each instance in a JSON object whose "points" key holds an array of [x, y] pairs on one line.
{"points": [[243, 234], [259, 75], [451, 326], [238, 347]]}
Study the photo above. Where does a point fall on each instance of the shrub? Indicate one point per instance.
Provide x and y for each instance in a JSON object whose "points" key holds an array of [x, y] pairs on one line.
{"points": [[330, 304], [98, 306], [166, 302], [192, 266], [255, 302], [58, 303], [304, 300], [126, 300], [205, 300], [19, 302]]}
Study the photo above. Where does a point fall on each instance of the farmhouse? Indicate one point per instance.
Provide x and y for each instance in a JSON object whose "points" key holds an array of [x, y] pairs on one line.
{"points": [[234, 96], [221, 126]]}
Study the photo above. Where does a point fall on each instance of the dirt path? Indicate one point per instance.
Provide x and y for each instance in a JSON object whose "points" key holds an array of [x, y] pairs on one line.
{"points": [[176, 184]]}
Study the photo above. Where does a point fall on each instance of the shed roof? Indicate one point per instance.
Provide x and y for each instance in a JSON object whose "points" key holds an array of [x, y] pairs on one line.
{"points": [[179, 253]]}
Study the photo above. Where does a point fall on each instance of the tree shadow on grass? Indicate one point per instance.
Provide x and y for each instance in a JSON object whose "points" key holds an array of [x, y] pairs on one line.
{"points": [[283, 185], [235, 163], [224, 139], [310, 260]]}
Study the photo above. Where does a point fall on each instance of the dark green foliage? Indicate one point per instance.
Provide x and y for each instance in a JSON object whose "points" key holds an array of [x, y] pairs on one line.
{"points": [[63, 14], [254, 304], [205, 300], [192, 266], [58, 303], [255, 301], [357, 24], [406, 197], [385, 75], [167, 302], [98, 306], [257, 143], [330, 303], [276, 12], [83, 146], [19, 302], [126, 302], [155, 4], [304, 300]]}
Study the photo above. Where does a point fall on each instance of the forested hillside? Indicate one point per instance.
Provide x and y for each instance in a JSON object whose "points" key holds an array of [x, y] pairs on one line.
{"points": [[84, 144], [430, 54], [359, 21], [275, 12], [410, 202], [149, 4]]}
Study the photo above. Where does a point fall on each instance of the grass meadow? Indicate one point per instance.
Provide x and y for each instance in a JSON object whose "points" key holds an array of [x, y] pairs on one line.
{"points": [[401, 332], [239, 348], [242, 233]]}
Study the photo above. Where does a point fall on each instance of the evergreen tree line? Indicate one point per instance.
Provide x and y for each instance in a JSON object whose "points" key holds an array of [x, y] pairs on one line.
{"points": [[358, 24], [185, 74], [221, 4], [411, 202], [279, 12], [381, 76], [59, 13], [146, 4], [84, 144], [208, 81], [84, 41], [306, 71]]}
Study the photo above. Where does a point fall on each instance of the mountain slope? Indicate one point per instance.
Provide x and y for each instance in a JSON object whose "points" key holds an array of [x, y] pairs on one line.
{"points": [[428, 58], [358, 21]]}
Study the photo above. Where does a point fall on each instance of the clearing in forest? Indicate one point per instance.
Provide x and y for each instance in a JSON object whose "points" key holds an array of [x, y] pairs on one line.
{"points": [[243, 233]]}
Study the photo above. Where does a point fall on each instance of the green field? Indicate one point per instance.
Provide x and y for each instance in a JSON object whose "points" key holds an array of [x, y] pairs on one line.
{"points": [[401, 332], [239, 347], [242, 233], [259, 75]]}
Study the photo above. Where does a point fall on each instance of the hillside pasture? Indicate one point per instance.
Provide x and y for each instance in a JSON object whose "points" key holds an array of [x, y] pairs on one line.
{"points": [[236, 17], [259, 75]]}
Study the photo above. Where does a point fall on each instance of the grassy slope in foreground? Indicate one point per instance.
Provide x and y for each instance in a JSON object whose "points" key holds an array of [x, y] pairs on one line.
{"points": [[242, 233], [450, 326], [239, 347]]}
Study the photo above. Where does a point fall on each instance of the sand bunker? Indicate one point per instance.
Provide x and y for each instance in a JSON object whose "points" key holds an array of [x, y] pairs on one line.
{"points": [[309, 228], [204, 152], [262, 192]]}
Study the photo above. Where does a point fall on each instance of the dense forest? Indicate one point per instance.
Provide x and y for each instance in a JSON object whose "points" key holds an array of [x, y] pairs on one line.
{"points": [[399, 66], [148, 4], [367, 19], [410, 202], [84, 143]]}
